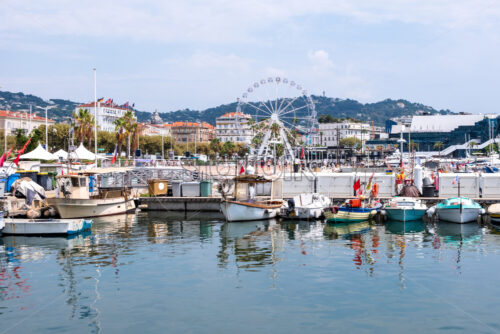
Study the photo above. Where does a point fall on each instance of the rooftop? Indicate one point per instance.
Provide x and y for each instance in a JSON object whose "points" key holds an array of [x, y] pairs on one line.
{"points": [[25, 115], [442, 123], [236, 113]]}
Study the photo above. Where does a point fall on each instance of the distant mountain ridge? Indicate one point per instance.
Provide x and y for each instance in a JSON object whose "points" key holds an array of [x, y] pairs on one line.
{"points": [[378, 112]]}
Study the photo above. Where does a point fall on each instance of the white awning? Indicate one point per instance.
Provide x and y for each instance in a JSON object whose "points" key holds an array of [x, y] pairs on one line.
{"points": [[39, 153]]}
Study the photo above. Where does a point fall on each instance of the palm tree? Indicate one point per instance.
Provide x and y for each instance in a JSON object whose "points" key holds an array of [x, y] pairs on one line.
{"points": [[130, 127], [83, 124], [121, 134], [438, 146]]}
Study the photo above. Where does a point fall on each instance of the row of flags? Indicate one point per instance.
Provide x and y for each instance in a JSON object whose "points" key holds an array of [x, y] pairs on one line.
{"points": [[19, 153], [110, 102]]}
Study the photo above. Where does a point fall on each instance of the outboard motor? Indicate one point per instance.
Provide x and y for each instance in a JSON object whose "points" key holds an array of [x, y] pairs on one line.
{"points": [[291, 206]]}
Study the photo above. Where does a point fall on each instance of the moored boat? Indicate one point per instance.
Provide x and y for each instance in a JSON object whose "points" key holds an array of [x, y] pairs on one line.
{"points": [[354, 210], [246, 206], [306, 206], [45, 226], [494, 212], [405, 209], [458, 210], [76, 201]]}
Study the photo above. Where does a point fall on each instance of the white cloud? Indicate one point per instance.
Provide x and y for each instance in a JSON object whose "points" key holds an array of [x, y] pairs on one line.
{"points": [[320, 60], [220, 21]]}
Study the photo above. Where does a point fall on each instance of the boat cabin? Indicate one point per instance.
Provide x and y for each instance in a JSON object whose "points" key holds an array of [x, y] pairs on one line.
{"points": [[73, 186], [248, 187]]}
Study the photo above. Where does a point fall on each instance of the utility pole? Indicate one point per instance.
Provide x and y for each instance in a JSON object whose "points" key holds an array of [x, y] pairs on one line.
{"points": [[46, 130], [338, 144], [95, 115]]}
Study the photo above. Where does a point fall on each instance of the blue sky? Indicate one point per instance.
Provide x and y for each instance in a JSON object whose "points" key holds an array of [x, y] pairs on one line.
{"points": [[197, 54]]}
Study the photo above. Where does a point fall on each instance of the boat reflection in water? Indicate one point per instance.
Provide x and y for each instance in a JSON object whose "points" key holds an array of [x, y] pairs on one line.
{"points": [[397, 227], [345, 230], [458, 234], [310, 230], [253, 244]]}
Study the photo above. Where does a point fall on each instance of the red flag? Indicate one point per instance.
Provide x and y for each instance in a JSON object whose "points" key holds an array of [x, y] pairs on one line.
{"points": [[401, 162], [114, 156], [5, 157], [242, 170], [357, 185], [21, 151], [302, 153]]}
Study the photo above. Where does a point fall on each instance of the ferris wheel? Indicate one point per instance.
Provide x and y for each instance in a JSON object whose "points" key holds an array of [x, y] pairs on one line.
{"points": [[283, 112]]}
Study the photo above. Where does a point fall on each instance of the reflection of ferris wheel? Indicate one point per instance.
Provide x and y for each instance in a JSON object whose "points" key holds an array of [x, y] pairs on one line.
{"points": [[282, 110]]}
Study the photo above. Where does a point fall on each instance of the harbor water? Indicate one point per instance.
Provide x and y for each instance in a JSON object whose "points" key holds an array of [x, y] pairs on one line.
{"points": [[156, 272]]}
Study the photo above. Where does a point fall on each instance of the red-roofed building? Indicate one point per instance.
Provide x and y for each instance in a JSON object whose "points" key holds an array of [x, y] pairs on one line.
{"points": [[107, 113], [234, 127], [188, 132], [13, 120]]}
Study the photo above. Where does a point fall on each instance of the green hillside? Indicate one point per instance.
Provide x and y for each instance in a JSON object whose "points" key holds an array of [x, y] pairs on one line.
{"points": [[378, 112]]}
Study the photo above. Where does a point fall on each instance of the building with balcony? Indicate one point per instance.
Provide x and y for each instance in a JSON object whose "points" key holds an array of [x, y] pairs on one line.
{"points": [[234, 127], [13, 120], [330, 134], [107, 113], [189, 132]]}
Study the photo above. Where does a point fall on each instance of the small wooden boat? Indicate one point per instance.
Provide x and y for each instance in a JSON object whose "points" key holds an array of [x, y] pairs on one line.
{"points": [[76, 201], [45, 226], [458, 210], [405, 209], [354, 210], [241, 211], [245, 206], [494, 212], [305, 206]]}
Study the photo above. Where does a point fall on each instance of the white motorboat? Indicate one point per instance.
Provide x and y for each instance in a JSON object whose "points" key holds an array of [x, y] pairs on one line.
{"points": [[76, 201], [245, 206], [45, 226], [306, 206], [405, 209], [458, 210]]}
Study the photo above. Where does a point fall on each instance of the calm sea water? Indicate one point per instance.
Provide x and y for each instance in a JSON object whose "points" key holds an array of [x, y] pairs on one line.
{"points": [[158, 273]]}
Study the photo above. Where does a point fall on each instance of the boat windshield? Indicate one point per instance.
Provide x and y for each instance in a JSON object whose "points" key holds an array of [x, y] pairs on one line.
{"points": [[406, 204]]}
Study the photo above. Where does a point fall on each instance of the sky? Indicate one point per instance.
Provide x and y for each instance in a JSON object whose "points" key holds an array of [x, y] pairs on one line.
{"points": [[177, 54]]}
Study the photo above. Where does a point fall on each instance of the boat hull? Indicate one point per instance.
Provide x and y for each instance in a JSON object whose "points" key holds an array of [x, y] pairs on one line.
{"points": [[242, 211], [345, 215], [453, 215], [87, 208], [404, 215], [48, 227], [495, 217]]}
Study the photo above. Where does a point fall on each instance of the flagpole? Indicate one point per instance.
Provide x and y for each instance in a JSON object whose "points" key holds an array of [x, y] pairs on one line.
{"points": [[95, 115]]}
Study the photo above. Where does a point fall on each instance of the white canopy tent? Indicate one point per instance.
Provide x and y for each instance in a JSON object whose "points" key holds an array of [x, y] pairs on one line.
{"points": [[39, 153], [62, 154], [81, 153]]}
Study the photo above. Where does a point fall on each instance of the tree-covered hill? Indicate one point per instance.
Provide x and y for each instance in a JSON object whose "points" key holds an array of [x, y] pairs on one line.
{"points": [[378, 112]]}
